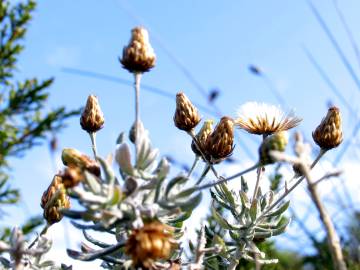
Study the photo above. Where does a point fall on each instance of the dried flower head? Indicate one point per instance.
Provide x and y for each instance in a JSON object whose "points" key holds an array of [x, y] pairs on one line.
{"points": [[329, 133], [74, 158], [220, 143], [71, 176], [53, 200], [152, 242], [201, 137], [275, 142], [186, 115], [138, 56], [261, 118], [92, 118]]}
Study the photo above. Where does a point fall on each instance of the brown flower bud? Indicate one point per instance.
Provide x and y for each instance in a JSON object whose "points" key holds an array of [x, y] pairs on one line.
{"points": [[74, 158], [92, 118], [152, 242], [220, 143], [329, 133], [53, 200], [186, 115], [201, 137], [138, 56], [276, 142], [71, 177]]}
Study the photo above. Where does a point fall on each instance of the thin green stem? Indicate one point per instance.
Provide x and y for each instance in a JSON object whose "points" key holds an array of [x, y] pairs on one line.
{"points": [[196, 160], [204, 173], [259, 173], [93, 143], [223, 180], [137, 79]]}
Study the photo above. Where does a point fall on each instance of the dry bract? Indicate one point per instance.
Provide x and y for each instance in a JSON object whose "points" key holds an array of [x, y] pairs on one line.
{"points": [[74, 158], [329, 133], [92, 118], [71, 177], [201, 137], [264, 119], [53, 199], [186, 115], [138, 56], [220, 143], [150, 243]]}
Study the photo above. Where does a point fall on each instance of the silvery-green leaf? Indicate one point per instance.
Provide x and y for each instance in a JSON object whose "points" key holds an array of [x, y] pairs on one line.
{"points": [[181, 179], [47, 264], [94, 241], [123, 158], [180, 217], [92, 182], [282, 225], [185, 193], [150, 159], [227, 193], [244, 199], [218, 200], [254, 209], [121, 138], [191, 203], [109, 173], [116, 196], [163, 169], [278, 211], [219, 219]]}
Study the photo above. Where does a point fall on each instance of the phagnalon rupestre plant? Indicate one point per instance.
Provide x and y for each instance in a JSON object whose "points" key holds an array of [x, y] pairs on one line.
{"points": [[134, 218]]}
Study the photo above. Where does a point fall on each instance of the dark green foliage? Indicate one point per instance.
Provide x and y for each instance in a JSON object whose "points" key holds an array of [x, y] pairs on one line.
{"points": [[24, 122]]}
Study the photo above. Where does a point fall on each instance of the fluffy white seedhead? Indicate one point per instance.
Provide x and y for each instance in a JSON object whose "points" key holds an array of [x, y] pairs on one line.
{"points": [[262, 118]]}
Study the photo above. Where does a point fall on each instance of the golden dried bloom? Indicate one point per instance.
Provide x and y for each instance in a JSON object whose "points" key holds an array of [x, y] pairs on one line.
{"points": [[54, 199], [71, 177], [264, 119], [201, 137], [275, 142], [152, 242], [92, 118], [220, 143], [329, 133], [138, 56], [186, 115], [74, 158]]}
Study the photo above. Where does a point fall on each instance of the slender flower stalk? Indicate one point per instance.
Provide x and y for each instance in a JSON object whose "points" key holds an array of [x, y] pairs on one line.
{"points": [[93, 143], [137, 78], [196, 161], [224, 180]]}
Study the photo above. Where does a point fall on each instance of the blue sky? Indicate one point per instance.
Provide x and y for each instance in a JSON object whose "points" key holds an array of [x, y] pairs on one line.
{"points": [[216, 41]]}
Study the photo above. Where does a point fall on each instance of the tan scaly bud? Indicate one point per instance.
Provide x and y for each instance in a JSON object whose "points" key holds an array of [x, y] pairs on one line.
{"points": [[201, 137], [74, 158], [186, 115], [276, 142], [53, 200], [138, 56], [220, 143], [71, 177], [92, 118], [329, 133], [152, 242]]}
